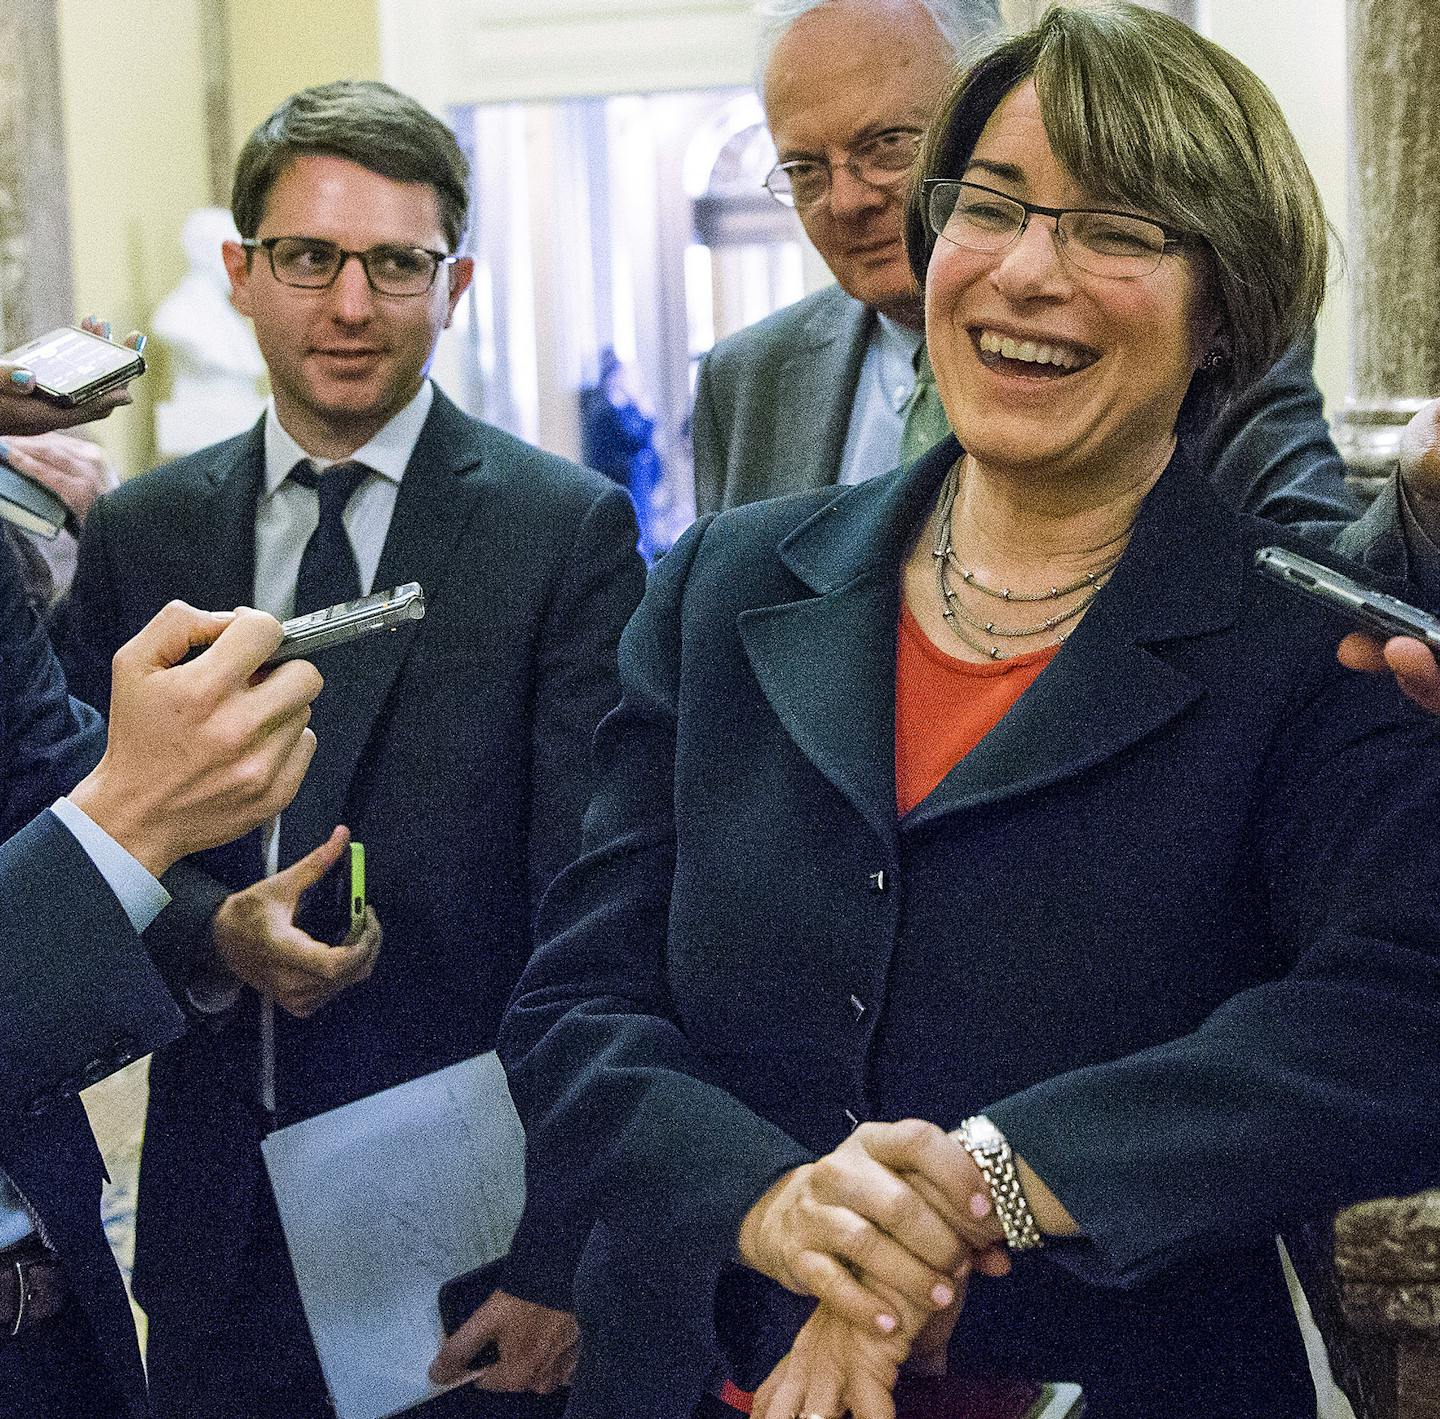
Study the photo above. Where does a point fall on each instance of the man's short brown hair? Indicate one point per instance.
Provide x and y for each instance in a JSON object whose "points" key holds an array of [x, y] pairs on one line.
{"points": [[368, 123]]}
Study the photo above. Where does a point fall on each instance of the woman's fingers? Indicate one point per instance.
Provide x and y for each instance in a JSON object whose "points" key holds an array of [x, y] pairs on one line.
{"points": [[954, 1187], [868, 1309], [798, 1236], [832, 1370], [880, 1229], [779, 1397], [822, 1393], [870, 1253], [871, 1187]]}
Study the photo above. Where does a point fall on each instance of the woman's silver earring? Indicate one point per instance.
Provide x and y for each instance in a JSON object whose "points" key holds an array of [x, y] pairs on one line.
{"points": [[1214, 358]]}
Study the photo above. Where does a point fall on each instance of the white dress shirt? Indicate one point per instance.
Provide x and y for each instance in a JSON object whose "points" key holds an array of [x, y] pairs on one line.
{"points": [[286, 515], [877, 419]]}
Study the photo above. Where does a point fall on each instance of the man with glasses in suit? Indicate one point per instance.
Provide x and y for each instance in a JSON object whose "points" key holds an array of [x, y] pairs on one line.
{"points": [[457, 750]]}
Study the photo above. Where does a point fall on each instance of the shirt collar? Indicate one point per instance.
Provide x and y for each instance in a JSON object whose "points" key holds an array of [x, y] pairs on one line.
{"points": [[387, 453], [896, 347], [899, 341]]}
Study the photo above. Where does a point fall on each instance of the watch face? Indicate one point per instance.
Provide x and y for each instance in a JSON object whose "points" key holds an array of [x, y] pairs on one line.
{"points": [[984, 1134]]}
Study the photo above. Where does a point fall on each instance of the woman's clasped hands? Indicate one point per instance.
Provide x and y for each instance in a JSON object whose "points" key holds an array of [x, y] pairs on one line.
{"points": [[884, 1232]]}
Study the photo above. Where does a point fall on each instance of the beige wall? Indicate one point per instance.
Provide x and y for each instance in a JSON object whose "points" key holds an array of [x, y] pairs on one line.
{"points": [[137, 156], [136, 160], [278, 46]]}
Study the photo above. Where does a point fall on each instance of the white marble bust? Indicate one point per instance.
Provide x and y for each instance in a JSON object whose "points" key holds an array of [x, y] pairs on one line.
{"points": [[215, 364]]}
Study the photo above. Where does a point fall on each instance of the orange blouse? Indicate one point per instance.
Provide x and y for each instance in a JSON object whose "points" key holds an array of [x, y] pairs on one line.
{"points": [[945, 706]]}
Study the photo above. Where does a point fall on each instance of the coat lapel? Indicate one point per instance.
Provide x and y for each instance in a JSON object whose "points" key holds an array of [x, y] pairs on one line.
{"points": [[826, 662], [1107, 688], [224, 577], [431, 510], [820, 376]]}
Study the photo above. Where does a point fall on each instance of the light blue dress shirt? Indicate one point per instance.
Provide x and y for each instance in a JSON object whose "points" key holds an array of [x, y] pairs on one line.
{"points": [[143, 899], [877, 419]]}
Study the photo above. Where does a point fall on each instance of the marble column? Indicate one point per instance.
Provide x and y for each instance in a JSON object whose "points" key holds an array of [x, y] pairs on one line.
{"points": [[1394, 239], [214, 18], [35, 283]]}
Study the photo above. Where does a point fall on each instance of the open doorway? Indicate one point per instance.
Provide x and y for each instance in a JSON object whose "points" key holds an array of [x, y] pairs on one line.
{"points": [[615, 240]]}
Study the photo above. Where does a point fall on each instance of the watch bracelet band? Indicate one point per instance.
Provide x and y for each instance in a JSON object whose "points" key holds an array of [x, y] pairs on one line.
{"points": [[992, 1154]]}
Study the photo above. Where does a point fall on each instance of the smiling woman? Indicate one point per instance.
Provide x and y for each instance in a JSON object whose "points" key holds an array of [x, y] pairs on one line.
{"points": [[993, 890]]}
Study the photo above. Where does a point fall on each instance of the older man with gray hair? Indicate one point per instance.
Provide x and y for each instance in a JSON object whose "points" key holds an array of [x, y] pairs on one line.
{"points": [[837, 387]]}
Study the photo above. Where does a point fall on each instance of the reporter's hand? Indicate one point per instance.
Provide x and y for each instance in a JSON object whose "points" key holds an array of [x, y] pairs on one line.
{"points": [[199, 753], [1413, 663], [257, 941], [22, 413], [538, 1347], [862, 1232], [74, 469]]}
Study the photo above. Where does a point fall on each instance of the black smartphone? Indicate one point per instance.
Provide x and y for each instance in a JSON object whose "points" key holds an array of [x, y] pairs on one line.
{"points": [[31, 506], [1375, 611], [302, 636], [333, 909], [461, 1296], [71, 365]]}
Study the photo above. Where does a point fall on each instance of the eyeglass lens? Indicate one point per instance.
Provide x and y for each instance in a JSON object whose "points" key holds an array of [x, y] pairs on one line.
{"points": [[391, 270], [1102, 243], [880, 162]]}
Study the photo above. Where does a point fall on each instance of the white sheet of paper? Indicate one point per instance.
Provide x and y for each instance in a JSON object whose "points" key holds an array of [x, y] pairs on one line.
{"points": [[1060, 1401], [382, 1201]]}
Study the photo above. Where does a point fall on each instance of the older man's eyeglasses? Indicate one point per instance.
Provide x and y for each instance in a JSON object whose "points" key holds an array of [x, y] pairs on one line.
{"points": [[880, 162], [1115, 244], [313, 265]]}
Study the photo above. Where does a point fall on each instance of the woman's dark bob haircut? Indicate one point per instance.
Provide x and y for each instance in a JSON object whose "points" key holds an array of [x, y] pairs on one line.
{"points": [[1147, 115]]}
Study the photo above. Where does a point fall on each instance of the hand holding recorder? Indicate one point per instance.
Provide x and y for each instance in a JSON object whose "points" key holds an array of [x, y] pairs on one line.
{"points": [[199, 752], [1397, 637], [70, 376], [1416, 669]]}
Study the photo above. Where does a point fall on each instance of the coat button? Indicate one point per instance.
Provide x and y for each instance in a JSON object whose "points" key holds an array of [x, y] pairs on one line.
{"points": [[877, 881], [852, 1120], [857, 1008]]}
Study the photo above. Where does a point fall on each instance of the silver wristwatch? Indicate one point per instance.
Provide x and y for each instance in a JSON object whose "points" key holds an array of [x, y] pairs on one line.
{"points": [[991, 1152]]}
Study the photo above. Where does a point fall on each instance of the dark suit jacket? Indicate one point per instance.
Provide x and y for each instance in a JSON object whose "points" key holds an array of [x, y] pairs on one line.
{"points": [[1173, 924], [1382, 542], [81, 997], [463, 747], [773, 403]]}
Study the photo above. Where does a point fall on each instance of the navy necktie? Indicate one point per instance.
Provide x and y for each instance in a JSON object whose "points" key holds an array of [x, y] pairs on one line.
{"points": [[328, 573]]}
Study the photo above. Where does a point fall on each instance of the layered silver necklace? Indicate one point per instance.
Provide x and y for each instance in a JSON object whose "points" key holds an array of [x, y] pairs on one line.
{"points": [[957, 617]]}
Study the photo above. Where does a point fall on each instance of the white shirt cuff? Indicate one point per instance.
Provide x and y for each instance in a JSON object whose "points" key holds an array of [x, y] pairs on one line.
{"points": [[138, 891]]}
